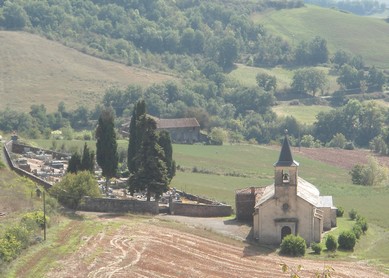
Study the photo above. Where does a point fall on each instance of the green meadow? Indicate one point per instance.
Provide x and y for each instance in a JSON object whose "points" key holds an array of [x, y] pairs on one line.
{"points": [[304, 114], [358, 34]]}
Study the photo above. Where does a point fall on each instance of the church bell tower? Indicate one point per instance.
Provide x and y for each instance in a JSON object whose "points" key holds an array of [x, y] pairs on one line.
{"points": [[286, 174]]}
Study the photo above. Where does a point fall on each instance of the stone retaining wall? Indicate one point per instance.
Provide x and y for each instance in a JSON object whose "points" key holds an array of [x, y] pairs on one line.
{"points": [[22, 172], [200, 210], [118, 205]]}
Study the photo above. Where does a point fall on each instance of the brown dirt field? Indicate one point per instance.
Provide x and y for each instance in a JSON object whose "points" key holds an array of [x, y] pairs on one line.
{"points": [[338, 157], [148, 250]]}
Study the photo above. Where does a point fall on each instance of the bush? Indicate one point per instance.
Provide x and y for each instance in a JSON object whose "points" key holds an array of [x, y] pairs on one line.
{"points": [[349, 146], [293, 245], [347, 240], [31, 219], [73, 187], [331, 243], [362, 222], [352, 214], [357, 230], [9, 248], [20, 233], [339, 212], [316, 247]]}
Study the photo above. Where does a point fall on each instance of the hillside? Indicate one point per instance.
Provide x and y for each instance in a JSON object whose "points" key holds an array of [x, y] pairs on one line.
{"points": [[366, 36], [35, 70]]}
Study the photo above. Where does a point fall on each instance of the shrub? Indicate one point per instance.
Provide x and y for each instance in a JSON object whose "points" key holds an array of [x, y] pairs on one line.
{"points": [[349, 146], [347, 240], [338, 141], [316, 247], [20, 233], [331, 243], [339, 212], [362, 222], [357, 230], [34, 218], [352, 214], [9, 248], [293, 245]]}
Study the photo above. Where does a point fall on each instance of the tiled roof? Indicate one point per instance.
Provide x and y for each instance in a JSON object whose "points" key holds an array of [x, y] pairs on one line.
{"points": [[177, 123]]}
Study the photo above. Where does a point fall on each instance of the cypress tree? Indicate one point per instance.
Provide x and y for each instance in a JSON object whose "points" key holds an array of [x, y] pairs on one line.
{"points": [[87, 161], [152, 171], [135, 135], [74, 163], [106, 146], [165, 142]]}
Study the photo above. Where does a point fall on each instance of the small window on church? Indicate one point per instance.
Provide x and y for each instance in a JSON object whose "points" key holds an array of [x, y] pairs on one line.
{"points": [[285, 177]]}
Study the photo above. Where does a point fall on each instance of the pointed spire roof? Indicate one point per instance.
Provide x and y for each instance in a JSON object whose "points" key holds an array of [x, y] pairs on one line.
{"points": [[286, 158]]}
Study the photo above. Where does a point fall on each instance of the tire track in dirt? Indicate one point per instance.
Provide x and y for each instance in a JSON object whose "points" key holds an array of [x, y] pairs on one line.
{"points": [[146, 250]]}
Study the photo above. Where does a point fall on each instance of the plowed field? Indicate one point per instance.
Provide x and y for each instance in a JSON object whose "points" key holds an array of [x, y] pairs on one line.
{"points": [[149, 250]]}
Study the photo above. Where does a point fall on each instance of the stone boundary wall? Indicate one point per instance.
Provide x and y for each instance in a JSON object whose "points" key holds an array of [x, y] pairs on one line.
{"points": [[199, 210], [118, 205], [21, 172]]}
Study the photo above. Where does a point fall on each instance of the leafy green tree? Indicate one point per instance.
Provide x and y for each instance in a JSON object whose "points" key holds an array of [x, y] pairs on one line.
{"points": [[227, 52], [376, 79], [308, 80], [341, 57], [266, 81], [338, 141], [73, 187], [15, 17], [106, 145], [318, 50], [349, 77]]}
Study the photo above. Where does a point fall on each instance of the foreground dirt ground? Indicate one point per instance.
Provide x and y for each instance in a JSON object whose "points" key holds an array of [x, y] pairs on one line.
{"points": [[151, 250]]}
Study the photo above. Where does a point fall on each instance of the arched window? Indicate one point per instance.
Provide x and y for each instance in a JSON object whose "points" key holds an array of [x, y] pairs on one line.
{"points": [[285, 177], [286, 230]]}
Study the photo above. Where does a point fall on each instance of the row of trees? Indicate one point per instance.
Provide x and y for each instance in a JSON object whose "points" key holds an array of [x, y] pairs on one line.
{"points": [[150, 163]]}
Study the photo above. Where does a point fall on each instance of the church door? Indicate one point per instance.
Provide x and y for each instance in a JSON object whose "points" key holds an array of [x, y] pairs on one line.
{"points": [[285, 231]]}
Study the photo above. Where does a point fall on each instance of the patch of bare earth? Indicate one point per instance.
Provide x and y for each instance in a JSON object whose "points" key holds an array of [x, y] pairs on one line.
{"points": [[146, 250], [341, 158]]}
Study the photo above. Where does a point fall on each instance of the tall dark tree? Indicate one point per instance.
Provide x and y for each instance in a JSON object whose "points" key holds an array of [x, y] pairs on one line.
{"points": [[165, 142], [87, 161], [106, 145], [152, 171], [74, 163], [135, 135]]}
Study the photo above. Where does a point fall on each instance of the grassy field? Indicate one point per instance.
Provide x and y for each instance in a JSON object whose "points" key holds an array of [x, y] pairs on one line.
{"points": [[36, 70], [366, 36], [304, 114], [246, 76]]}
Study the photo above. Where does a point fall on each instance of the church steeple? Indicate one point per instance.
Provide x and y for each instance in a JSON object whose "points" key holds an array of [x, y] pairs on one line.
{"points": [[286, 174], [286, 159]]}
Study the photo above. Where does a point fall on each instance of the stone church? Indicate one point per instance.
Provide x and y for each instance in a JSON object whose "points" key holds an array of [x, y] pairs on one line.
{"points": [[289, 206]]}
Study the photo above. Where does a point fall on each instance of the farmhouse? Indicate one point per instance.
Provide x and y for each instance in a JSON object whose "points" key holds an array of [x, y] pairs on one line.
{"points": [[182, 130], [289, 206]]}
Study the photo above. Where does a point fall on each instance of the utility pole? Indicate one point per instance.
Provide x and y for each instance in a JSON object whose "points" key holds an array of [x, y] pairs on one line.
{"points": [[44, 216]]}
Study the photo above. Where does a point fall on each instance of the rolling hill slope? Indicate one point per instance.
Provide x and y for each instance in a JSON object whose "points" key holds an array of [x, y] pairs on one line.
{"points": [[360, 35], [35, 70]]}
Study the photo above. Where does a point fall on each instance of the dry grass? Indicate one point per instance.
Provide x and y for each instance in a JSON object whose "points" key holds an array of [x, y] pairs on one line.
{"points": [[35, 70]]}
